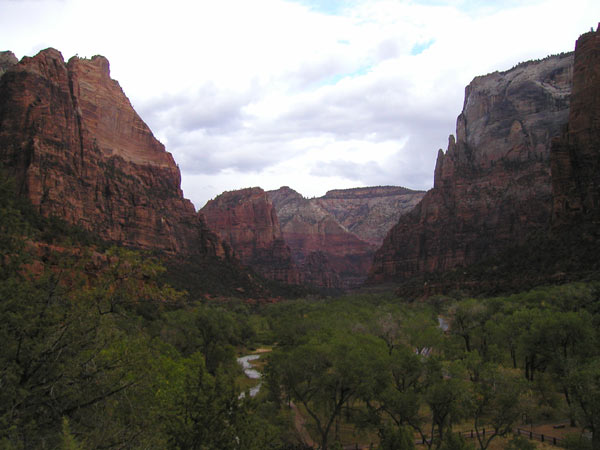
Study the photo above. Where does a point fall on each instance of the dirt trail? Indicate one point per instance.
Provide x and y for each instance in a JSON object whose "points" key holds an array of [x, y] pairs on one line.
{"points": [[300, 424]]}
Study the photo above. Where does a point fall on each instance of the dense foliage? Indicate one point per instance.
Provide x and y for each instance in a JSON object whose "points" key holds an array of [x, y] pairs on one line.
{"points": [[98, 352], [378, 364]]}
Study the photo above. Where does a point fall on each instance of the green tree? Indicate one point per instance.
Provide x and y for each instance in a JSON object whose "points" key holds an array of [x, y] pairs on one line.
{"points": [[454, 441], [325, 375], [468, 322], [584, 387], [212, 331], [199, 411], [70, 350], [495, 402], [402, 395], [396, 438], [446, 395]]}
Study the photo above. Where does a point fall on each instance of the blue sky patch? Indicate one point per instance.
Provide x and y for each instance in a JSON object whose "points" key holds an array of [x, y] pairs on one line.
{"points": [[420, 47], [331, 7], [334, 79]]}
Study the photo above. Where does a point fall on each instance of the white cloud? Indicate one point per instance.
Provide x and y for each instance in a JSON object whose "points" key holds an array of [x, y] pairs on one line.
{"points": [[314, 94]]}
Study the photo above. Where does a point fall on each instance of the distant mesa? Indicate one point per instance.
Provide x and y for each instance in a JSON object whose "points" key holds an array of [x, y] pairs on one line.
{"points": [[334, 236], [326, 242]]}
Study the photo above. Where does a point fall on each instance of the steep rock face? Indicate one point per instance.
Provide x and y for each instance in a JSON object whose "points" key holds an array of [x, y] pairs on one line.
{"points": [[79, 151], [247, 221], [576, 154], [492, 186], [327, 254], [369, 212]]}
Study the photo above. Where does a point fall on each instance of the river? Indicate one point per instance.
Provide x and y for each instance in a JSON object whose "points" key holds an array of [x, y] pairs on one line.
{"points": [[250, 372]]}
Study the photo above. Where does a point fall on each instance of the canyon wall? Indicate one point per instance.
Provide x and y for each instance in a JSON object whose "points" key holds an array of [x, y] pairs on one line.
{"points": [[492, 186], [575, 155], [326, 253], [333, 238], [79, 151], [247, 221], [369, 212]]}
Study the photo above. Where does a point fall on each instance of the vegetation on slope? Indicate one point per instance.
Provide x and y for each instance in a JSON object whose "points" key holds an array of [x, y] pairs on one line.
{"points": [[97, 351]]}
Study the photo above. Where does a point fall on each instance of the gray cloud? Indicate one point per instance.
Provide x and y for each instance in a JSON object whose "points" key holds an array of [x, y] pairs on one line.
{"points": [[209, 131], [207, 108]]}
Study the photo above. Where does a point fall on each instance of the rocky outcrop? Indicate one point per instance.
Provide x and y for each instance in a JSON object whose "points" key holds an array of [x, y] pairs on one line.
{"points": [[576, 154], [327, 254], [247, 221], [369, 212], [79, 151], [7, 60], [492, 185]]}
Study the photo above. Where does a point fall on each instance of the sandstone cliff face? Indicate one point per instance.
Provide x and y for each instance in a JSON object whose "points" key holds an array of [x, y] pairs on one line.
{"points": [[247, 221], [369, 212], [327, 254], [576, 154], [492, 186], [79, 151]]}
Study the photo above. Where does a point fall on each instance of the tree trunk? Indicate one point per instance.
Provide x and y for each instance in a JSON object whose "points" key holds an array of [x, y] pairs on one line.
{"points": [[595, 440]]}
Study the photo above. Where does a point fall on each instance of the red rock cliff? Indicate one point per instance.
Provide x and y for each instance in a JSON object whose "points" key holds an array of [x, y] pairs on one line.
{"points": [[79, 151], [247, 221], [576, 154], [327, 254], [492, 186]]}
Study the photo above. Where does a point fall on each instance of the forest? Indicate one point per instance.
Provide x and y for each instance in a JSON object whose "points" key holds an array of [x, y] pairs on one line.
{"points": [[98, 351]]}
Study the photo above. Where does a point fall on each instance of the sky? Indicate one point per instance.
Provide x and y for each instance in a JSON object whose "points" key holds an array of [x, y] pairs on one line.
{"points": [[310, 94]]}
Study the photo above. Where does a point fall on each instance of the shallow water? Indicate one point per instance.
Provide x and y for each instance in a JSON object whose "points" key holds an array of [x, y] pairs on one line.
{"points": [[250, 372]]}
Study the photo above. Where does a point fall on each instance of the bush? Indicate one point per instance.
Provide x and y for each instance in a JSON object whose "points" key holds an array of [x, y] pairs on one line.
{"points": [[454, 441], [396, 439], [576, 442], [520, 443]]}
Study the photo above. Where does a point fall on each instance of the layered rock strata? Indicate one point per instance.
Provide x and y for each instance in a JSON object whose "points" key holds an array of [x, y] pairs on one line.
{"points": [[79, 151], [327, 254], [247, 221], [369, 212], [576, 154], [492, 186]]}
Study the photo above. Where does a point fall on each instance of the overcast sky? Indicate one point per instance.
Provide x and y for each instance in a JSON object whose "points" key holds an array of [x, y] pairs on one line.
{"points": [[312, 94]]}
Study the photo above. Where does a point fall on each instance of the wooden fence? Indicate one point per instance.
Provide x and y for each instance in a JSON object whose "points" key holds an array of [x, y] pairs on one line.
{"points": [[552, 440], [472, 434]]}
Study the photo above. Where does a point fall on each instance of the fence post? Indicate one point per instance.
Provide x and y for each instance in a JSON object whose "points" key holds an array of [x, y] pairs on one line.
{"points": [[471, 434], [542, 438]]}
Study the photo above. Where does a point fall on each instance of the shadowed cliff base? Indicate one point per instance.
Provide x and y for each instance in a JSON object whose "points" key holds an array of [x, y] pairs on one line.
{"points": [[564, 255]]}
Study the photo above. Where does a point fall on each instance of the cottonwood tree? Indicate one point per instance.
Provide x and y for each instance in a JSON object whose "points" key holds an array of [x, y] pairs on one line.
{"points": [[584, 387], [495, 402], [326, 375], [402, 397], [446, 396]]}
